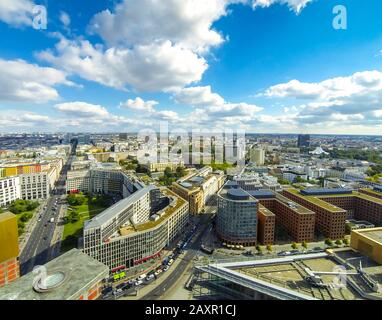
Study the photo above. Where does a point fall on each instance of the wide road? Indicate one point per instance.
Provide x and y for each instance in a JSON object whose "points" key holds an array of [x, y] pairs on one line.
{"points": [[182, 266], [37, 250]]}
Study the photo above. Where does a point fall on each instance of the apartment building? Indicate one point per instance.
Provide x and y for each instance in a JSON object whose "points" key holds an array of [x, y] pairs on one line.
{"points": [[9, 190], [199, 188], [9, 249], [137, 228]]}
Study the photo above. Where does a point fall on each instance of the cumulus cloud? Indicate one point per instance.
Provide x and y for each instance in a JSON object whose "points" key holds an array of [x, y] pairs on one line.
{"points": [[187, 22], [360, 83], [138, 104], [21, 81], [340, 102], [82, 109], [16, 12], [198, 96], [295, 5], [153, 67]]}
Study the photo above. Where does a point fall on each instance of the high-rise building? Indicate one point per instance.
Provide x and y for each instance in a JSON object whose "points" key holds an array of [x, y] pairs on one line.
{"points": [[257, 156], [303, 141], [236, 221], [9, 249]]}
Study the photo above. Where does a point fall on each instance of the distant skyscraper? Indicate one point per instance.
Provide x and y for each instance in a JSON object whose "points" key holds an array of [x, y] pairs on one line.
{"points": [[257, 155], [303, 141], [123, 136]]}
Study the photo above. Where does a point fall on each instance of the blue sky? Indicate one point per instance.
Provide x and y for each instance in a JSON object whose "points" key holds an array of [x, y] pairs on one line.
{"points": [[273, 66]]}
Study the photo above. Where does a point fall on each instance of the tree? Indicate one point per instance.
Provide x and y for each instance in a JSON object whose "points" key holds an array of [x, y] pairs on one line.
{"points": [[294, 246], [346, 241], [304, 245], [338, 242], [269, 248], [328, 242], [259, 249]]}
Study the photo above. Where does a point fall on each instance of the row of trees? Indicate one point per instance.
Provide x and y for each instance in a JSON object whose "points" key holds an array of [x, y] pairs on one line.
{"points": [[304, 245]]}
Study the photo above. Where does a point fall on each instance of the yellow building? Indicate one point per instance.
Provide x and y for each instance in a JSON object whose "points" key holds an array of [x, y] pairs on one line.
{"points": [[9, 249], [368, 242]]}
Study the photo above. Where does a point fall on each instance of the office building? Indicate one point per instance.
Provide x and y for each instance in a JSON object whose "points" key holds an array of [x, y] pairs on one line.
{"points": [[9, 249], [334, 206], [368, 242], [136, 229], [303, 141], [236, 221], [199, 188]]}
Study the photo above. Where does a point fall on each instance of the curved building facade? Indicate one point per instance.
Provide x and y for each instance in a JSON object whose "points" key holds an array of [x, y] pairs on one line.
{"points": [[236, 221]]}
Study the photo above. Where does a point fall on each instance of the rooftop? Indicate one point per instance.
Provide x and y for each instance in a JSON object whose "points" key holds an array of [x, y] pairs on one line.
{"points": [[374, 234], [117, 208], [73, 272], [286, 278]]}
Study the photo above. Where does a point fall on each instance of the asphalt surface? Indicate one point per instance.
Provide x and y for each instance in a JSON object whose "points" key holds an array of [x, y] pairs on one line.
{"points": [[37, 250], [191, 253]]}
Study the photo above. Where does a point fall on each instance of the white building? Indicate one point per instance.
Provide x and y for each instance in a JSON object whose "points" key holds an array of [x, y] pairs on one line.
{"points": [[9, 190], [35, 186]]}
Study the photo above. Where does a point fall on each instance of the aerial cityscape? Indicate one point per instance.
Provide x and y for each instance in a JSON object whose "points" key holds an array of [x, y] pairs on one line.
{"points": [[193, 150]]}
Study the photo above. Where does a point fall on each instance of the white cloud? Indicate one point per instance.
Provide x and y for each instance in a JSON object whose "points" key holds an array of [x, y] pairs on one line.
{"points": [[360, 83], [21, 81], [198, 96], [343, 102], [295, 5], [16, 12], [153, 67], [65, 19], [187, 23], [138, 104], [82, 109]]}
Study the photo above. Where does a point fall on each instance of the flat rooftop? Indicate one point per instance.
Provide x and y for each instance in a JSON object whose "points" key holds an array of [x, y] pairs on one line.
{"points": [[373, 234], [80, 270], [293, 205], [287, 277], [117, 208]]}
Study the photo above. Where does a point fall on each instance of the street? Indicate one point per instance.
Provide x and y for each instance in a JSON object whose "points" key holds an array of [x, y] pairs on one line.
{"points": [[188, 258], [37, 250]]}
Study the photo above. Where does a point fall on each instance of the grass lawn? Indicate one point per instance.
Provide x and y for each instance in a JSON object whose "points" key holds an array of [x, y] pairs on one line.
{"points": [[72, 231]]}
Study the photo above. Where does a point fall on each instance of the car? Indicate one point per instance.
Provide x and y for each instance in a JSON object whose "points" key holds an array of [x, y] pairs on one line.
{"points": [[142, 276], [283, 253], [150, 278], [171, 261], [165, 268], [158, 272], [45, 238], [39, 220], [138, 283]]}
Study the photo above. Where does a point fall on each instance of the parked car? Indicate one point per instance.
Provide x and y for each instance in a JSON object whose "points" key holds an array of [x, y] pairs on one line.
{"points": [[158, 272], [142, 276], [165, 268], [138, 283]]}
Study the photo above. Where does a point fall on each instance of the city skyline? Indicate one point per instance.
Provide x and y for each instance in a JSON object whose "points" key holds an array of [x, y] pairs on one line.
{"points": [[290, 71]]}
